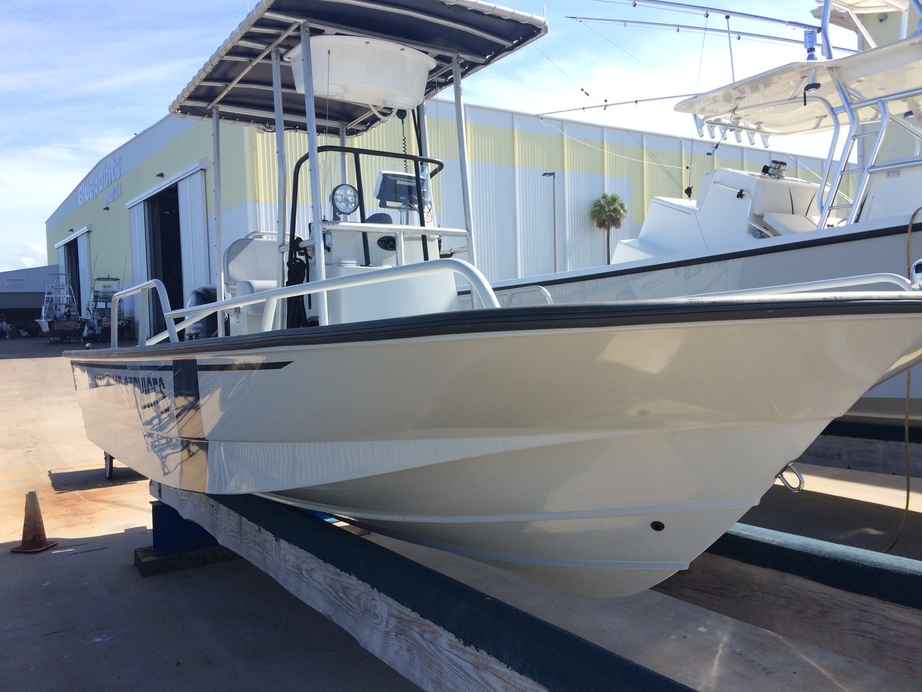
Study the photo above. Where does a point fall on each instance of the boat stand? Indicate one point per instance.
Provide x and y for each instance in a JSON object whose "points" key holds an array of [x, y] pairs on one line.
{"points": [[762, 592], [178, 544], [428, 627]]}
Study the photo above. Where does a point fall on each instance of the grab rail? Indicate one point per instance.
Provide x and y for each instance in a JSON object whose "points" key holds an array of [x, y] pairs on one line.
{"points": [[270, 298], [399, 231], [846, 283], [143, 321], [513, 293], [392, 228]]}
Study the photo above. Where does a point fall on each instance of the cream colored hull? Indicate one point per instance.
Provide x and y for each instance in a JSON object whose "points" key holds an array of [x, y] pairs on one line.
{"points": [[601, 453]]}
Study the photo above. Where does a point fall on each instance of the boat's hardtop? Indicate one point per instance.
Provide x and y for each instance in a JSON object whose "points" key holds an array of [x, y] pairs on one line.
{"points": [[772, 102], [237, 79]]}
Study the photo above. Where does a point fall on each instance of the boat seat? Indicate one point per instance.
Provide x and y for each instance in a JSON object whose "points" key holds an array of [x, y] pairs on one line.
{"points": [[248, 288], [891, 192], [380, 217], [250, 266], [782, 224], [254, 258], [770, 195]]}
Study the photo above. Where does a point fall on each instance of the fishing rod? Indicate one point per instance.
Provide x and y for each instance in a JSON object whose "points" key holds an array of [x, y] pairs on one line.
{"points": [[729, 13], [607, 105], [811, 31], [702, 29]]}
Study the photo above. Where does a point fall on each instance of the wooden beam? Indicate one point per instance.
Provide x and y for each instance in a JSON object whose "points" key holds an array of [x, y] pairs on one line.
{"points": [[437, 632], [417, 649]]}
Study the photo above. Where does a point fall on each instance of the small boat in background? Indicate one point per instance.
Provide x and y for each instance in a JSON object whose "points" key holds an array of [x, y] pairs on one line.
{"points": [[60, 318], [98, 316]]}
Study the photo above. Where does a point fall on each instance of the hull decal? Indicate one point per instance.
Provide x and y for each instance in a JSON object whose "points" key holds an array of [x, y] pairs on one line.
{"points": [[178, 438]]}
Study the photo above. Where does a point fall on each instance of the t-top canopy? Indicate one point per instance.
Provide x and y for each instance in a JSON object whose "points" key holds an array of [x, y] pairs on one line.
{"points": [[773, 102], [238, 77]]}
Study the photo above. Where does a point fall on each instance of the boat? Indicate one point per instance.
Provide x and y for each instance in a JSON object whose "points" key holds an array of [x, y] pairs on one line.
{"points": [[98, 316], [596, 447], [60, 318], [746, 230]]}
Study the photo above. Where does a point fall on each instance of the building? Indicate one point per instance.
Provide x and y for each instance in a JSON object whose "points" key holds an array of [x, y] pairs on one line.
{"points": [[21, 295]]}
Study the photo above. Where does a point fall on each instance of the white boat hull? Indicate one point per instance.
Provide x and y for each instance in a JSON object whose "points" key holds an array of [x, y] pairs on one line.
{"points": [[814, 256], [599, 449]]}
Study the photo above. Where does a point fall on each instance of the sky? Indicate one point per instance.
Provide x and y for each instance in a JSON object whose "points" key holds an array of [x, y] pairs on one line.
{"points": [[78, 78]]}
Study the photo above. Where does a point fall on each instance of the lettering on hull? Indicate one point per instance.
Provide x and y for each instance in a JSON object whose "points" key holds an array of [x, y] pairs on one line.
{"points": [[167, 402]]}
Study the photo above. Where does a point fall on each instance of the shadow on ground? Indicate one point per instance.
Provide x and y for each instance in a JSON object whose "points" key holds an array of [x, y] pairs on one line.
{"points": [[81, 612], [89, 479], [838, 520], [33, 347]]}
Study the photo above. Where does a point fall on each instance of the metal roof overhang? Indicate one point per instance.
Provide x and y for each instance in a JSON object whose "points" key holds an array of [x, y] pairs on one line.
{"points": [[237, 80]]}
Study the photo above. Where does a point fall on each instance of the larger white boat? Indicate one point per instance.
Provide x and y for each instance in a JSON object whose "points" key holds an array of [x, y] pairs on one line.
{"points": [[747, 230], [597, 447]]}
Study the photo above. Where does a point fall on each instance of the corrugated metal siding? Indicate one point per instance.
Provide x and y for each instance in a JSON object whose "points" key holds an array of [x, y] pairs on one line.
{"points": [[491, 151], [623, 175], [535, 202], [538, 150], [663, 167], [585, 154]]}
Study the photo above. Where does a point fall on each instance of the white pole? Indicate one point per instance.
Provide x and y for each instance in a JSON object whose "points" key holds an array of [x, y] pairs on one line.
{"points": [[423, 130], [218, 225], [462, 153], [824, 30], [281, 217], [730, 46], [343, 159], [313, 170], [553, 176]]}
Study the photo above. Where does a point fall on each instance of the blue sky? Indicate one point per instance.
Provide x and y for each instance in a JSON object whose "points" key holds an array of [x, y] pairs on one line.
{"points": [[81, 77]]}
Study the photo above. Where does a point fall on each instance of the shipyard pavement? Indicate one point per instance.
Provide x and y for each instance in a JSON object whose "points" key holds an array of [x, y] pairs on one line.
{"points": [[79, 616]]}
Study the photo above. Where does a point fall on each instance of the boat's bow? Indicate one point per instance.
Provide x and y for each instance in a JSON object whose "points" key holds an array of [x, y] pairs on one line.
{"points": [[598, 447]]}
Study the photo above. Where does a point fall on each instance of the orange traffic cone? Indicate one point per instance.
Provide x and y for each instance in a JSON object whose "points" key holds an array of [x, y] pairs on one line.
{"points": [[33, 528]]}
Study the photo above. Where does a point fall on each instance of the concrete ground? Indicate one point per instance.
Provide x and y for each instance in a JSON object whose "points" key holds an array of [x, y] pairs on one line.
{"points": [[80, 617]]}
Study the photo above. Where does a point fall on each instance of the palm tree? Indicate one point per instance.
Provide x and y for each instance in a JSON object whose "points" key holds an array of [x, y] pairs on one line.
{"points": [[608, 212]]}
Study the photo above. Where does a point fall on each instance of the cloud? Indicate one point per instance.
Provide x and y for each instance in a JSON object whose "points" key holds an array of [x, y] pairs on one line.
{"points": [[111, 70], [34, 180], [25, 256]]}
